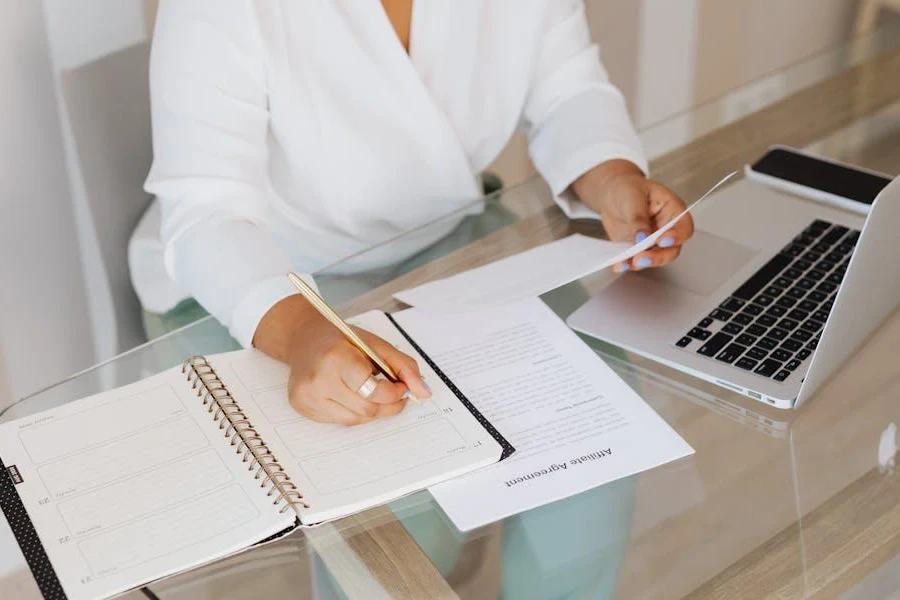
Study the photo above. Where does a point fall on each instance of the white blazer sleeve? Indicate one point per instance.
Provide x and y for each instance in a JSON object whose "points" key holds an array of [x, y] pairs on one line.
{"points": [[574, 117], [210, 122]]}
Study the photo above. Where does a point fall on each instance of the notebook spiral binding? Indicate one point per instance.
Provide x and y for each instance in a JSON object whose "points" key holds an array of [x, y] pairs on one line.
{"points": [[240, 433]]}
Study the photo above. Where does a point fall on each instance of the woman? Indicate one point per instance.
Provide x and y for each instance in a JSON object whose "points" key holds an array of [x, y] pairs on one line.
{"points": [[290, 134]]}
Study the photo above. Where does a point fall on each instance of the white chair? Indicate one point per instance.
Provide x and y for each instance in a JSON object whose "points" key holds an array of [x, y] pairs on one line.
{"points": [[108, 104]]}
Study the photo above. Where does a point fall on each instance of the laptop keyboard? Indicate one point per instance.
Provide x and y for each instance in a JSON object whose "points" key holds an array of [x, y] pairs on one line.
{"points": [[772, 323]]}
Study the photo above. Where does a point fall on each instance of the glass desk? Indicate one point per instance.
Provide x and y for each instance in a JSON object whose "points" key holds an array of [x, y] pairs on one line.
{"points": [[774, 504]]}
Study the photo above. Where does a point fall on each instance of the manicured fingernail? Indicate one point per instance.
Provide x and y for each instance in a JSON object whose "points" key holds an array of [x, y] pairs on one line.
{"points": [[427, 387], [406, 395], [666, 242], [643, 262], [622, 268], [640, 237]]}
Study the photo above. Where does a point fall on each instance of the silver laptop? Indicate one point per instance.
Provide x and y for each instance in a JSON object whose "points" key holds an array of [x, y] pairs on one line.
{"points": [[773, 293]]}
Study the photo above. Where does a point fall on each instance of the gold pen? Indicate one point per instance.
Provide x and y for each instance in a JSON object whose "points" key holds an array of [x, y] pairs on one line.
{"points": [[326, 311]]}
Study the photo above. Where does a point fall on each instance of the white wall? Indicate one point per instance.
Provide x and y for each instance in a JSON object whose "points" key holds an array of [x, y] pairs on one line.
{"points": [[44, 334]]}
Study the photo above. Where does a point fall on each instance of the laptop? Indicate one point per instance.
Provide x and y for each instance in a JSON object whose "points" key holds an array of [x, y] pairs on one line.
{"points": [[771, 295]]}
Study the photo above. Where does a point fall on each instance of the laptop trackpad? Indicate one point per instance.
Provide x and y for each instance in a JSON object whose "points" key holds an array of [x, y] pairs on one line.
{"points": [[706, 262]]}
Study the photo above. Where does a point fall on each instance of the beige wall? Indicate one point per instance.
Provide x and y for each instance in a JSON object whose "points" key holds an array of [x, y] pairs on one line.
{"points": [[669, 56]]}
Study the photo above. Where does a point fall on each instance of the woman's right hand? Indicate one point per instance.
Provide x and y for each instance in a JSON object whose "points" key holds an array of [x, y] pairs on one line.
{"points": [[327, 371]]}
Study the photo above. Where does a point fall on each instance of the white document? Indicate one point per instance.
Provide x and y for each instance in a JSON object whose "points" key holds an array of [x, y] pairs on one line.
{"points": [[574, 423], [533, 272]]}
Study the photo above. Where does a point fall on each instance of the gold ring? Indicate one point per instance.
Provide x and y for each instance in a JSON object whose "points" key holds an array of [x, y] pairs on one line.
{"points": [[368, 387]]}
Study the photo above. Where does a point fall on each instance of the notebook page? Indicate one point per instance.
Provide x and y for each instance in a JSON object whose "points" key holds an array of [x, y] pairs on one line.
{"points": [[342, 470], [575, 424], [134, 484]]}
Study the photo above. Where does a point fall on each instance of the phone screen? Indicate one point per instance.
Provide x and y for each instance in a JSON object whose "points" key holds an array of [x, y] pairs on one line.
{"points": [[821, 175]]}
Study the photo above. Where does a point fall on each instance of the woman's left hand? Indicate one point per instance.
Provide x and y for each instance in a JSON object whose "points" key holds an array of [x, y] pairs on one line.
{"points": [[633, 207]]}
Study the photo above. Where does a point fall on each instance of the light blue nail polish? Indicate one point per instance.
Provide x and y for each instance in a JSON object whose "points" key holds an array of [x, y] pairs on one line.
{"points": [[643, 262], [406, 395], [622, 268], [640, 237], [427, 387], [666, 242]]}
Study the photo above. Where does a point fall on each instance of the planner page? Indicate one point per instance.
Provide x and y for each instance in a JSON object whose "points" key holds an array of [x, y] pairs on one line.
{"points": [[341, 470], [574, 423], [134, 484]]}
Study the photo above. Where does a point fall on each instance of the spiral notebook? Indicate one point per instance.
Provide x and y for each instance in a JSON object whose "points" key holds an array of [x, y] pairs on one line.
{"points": [[205, 460]]}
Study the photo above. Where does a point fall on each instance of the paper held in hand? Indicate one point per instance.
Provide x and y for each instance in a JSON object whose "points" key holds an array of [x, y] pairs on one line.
{"points": [[533, 272]]}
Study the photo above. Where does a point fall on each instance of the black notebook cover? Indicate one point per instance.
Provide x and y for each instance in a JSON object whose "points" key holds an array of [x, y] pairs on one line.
{"points": [[507, 447]]}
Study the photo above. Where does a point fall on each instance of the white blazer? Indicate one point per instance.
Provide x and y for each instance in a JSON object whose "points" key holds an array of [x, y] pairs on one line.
{"points": [[288, 134]]}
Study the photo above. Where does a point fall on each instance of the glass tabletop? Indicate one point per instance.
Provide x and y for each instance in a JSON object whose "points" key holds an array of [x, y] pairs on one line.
{"points": [[786, 504]]}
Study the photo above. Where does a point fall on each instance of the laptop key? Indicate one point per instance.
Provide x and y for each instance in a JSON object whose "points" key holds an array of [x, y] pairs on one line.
{"points": [[835, 278], [792, 365], [756, 353], [788, 324], [764, 300], [732, 328], [784, 282], [699, 334], [846, 247], [774, 291], [812, 256], [753, 309], [781, 354], [767, 368], [731, 353], [793, 250], [791, 345], [786, 302], [762, 277], [756, 330], [742, 319], [712, 346], [853, 237], [732, 304], [776, 311], [813, 343], [817, 228], [834, 234], [801, 335], [816, 274], [804, 240], [746, 363], [806, 283], [766, 320], [777, 333], [720, 315], [835, 256], [826, 287], [801, 265], [808, 305], [797, 314], [745, 340], [812, 325], [795, 293], [817, 296], [767, 344], [684, 342], [821, 247], [705, 322], [825, 265], [820, 315], [782, 375], [804, 354]]}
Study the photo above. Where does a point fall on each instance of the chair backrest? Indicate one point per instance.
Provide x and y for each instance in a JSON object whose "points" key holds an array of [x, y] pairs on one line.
{"points": [[108, 105]]}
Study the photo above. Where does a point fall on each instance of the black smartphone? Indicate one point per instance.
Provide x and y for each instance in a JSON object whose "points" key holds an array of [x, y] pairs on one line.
{"points": [[818, 178]]}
